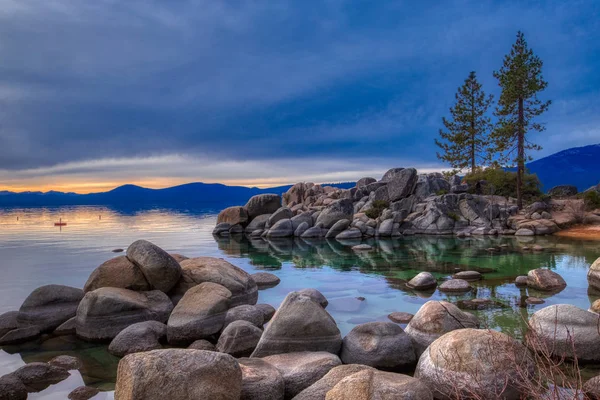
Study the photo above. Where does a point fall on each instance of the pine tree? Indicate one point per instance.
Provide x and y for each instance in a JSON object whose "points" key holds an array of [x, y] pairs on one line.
{"points": [[520, 79], [465, 141]]}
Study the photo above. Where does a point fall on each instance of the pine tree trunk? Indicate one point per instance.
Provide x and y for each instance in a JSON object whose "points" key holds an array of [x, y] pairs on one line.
{"points": [[472, 134], [521, 155]]}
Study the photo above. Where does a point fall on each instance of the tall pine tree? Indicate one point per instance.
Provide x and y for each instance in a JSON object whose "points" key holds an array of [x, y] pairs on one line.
{"points": [[465, 141], [520, 79]]}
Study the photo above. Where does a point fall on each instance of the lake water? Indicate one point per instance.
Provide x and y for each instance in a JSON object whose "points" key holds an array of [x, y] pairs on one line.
{"points": [[33, 252]]}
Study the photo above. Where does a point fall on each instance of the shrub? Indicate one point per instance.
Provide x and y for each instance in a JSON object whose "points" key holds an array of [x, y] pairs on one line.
{"points": [[441, 192], [503, 183], [377, 208], [453, 216], [591, 199]]}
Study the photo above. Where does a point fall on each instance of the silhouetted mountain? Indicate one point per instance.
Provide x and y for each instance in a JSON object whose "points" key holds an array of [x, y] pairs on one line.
{"points": [[578, 166], [190, 194]]}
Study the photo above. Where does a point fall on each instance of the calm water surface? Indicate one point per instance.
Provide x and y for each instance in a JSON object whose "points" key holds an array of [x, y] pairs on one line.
{"points": [[33, 252]]}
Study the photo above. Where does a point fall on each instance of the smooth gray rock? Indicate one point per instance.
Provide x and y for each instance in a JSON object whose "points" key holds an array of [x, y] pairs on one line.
{"points": [[545, 280], [386, 228], [301, 229], [239, 339], [260, 380], [160, 269], [143, 336], [245, 312], [199, 314], [300, 324], [314, 232], [348, 234], [267, 310], [37, 376], [222, 229], [262, 204], [117, 272], [210, 269], [365, 181], [303, 369], [105, 312], [319, 389], [8, 322], [338, 210], [455, 285], [281, 229], [373, 384], [379, 345], [20, 335], [476, 362], [258, 223], [281, 214], [202, 344], [422, 281], [178, 374], [337, 228], [391, 174], [265, 280], [47, 307], [300, 218], [402, 184]]}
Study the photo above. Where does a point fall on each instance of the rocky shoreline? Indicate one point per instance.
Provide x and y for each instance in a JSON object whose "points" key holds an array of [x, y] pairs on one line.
{"points": [[191, 328], [401, 203]]}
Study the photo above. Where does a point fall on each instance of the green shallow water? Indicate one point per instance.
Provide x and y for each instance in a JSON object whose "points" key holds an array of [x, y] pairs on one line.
{"points": [[34, 252]]}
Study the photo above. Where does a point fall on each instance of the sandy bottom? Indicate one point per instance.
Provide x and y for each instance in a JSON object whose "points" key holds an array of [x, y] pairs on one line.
{"points": [[591, 232]]}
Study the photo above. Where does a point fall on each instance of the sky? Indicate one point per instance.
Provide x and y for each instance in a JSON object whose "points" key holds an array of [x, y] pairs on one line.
{"points": [[94, 94]]}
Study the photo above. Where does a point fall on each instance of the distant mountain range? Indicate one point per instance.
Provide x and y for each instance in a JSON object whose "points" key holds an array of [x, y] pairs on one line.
{"points": [[188, 194], [578, 166]]}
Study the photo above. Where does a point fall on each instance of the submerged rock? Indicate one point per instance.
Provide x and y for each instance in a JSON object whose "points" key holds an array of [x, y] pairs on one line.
{"points": [[37, 376], [67, 362], [160, 269]]}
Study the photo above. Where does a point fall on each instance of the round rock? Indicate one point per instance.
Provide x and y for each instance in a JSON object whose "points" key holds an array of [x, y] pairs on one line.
{"points": [[143, 336], [117, 272], [455, 285], [239, 339], [267, 310], [545, 280], [423, 281], [469, 276], [265, 280], [160, 269]]}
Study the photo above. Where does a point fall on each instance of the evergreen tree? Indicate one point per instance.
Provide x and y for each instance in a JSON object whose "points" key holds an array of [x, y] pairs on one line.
{"points": [[520, 79], [465, 140]]}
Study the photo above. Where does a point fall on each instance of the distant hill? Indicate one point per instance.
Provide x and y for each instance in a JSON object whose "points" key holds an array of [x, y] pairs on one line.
{"points": [[578, 166], [189, 194]]}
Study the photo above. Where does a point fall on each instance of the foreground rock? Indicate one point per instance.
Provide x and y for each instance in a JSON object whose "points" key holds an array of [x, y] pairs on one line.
{"points": [[37, 376], [566, 331], [423, 281], [239, 339], [143, 336], [260, 380], [117, 272], [379, 345], [301, 370], [105, 312], [473, 362], [200, 313], [11, 388], [373, 384], [209, 269], [545, 280], [160, 269], [178, 374], [319, 389], [434, 319], [83, 393], [47, 307], [300, 324], [262, 204]]}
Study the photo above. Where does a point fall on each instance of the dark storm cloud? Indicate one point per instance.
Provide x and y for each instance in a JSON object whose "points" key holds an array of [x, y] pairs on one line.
{"points": [[364, 83]]}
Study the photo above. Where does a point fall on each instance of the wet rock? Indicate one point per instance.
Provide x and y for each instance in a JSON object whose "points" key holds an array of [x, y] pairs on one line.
{"points": [[300, 324], [67, 362], [11, 388], [524, 232], [265, 280], [434, 319], [400, 317], [178, 374], [319, 389], [568, 331], [117, 272], [209, 269], [260, 380], [105, 312], [247, 313], [160, 269], [267, 310], [369, 384], [454, 286], [199, 314], [316, 296], [469, 276], [474, 362], [47, 307], [143, 336], [202, 345], [233, 215], [301, 370], [545, 280], [83, 393], [379, 345], [423, 281], [239, 339], [222, 229], [262, 204], [37, 376]]}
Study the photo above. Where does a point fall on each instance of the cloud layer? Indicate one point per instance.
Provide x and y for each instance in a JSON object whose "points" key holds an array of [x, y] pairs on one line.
{"points": [[262, 91]]}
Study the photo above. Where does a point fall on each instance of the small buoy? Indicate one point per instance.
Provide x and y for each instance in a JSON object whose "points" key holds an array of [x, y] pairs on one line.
{"points": [[60, 223]]}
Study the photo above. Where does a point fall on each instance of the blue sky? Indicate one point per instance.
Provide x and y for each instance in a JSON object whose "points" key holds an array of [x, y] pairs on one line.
{"points": [[98, 93]]}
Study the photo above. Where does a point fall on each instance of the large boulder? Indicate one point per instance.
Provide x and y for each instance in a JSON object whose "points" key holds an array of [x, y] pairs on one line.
{"points": [[37, 376], [209, 269], [239, 339], [474, 363], [431, 184], [319, 389], [593, 275], [261, 204], [434, 319], [300, 218], [143, 336], [402, 184], [260, 380], [301, 370], [47, 307], [160, 269], [423, 281], [338, 210], [337, 228], [258, 223], [117, 272], [281, 229], [281, 213], [365, 181], [300, 324], [105, 312], [545, 280], [566, 331], [373, 384], [391, 174], [233, 216], [199, 314], [178, 374], [379, 345]]}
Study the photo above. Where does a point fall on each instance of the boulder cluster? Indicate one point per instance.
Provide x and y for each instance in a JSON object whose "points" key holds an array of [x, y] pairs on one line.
{"points": [[402, 202]]}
